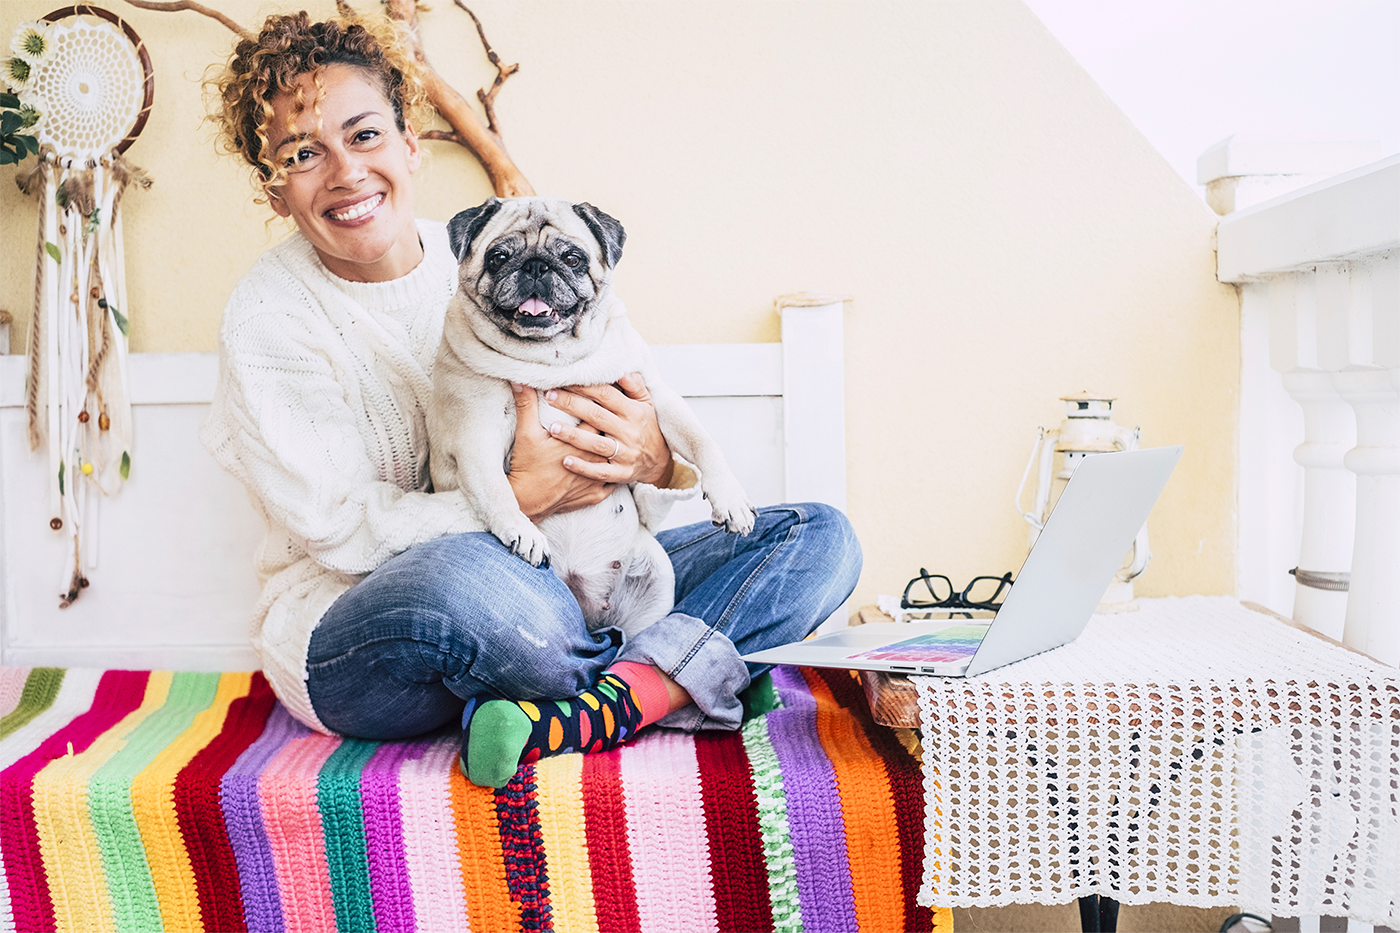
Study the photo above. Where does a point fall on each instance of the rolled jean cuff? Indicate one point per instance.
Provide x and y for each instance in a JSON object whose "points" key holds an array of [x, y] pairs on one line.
{"points": [[703, 661]]}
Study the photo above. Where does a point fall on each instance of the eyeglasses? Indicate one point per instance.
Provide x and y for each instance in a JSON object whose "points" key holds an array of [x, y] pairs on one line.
{"points": [[981, 593]]}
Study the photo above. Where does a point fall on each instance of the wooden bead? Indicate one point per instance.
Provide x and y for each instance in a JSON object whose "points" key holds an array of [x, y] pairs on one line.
{"points": [[103, 421], [55, 523], [83, 417]]}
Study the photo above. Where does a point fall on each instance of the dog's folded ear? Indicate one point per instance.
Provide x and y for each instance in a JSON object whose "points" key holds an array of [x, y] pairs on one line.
{"points": [[463, 228], [606, 230]]}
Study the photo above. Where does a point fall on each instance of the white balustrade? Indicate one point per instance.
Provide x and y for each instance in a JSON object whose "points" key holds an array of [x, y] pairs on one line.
{"points": [[1320, 269]]}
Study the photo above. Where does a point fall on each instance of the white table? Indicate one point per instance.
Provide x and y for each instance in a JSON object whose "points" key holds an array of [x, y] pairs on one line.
{"points": [[1194, 752]]}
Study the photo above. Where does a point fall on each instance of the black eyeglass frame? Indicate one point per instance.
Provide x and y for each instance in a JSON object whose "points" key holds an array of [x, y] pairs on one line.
{"points": [[958, 599]]}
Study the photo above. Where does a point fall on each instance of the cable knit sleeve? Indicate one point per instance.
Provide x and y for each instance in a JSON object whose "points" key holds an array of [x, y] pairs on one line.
{"points": [[324, 435]]}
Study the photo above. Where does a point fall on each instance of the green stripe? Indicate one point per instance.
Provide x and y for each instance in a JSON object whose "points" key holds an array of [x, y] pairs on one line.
{"points": [[40, 690], [773, 826], [343, 826], [129, 884]]}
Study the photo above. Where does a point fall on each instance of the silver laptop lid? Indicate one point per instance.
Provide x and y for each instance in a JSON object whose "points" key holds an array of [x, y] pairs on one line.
{"points": [[1083, 544]]}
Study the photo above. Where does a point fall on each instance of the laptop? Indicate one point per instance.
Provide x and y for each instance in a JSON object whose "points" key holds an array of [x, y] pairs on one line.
{"points": [[1066, 573]]}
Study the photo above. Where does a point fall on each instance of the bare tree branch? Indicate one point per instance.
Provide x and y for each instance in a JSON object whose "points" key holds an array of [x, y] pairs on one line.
{"points": [[488, 99], [443, 135], [483, 141], [175, 6]]}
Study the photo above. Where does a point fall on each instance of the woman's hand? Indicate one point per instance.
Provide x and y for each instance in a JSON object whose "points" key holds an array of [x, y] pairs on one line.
{"points": [[542, 482], [570, 467], [619, 429]]}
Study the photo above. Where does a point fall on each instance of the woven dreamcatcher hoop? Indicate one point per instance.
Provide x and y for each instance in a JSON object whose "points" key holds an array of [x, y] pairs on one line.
{"points": [[94, 88]]}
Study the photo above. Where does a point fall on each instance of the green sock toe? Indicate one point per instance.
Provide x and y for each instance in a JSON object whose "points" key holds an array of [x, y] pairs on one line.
{"points": [[496, 738]]}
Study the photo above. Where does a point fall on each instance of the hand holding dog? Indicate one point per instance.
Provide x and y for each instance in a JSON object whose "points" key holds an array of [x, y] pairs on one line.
{"points": [[543, 486], [623, 413]]}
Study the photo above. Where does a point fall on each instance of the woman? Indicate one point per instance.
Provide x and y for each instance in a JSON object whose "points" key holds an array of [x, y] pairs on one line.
{"points": [[385, 612]]}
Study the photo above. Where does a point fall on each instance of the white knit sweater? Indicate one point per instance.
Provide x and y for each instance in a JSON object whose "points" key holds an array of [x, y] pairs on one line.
{"points": [[319, 411]]}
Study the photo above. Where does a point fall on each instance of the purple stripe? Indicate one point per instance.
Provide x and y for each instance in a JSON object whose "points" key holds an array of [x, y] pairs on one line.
{"points": [[818, 831], [238, 795], [389, 884]]}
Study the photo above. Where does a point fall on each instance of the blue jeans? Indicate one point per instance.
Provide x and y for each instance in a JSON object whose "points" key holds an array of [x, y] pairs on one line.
{"points": [[400, 652]]}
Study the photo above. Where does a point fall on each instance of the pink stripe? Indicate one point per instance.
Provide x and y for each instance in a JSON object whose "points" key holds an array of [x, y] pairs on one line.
{"points": [[439, 896], [11, 688], [666, 834], [293, 822]]}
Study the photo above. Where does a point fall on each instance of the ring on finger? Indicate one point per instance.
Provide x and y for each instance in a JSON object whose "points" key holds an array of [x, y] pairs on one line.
{"points": [[617, 445]]}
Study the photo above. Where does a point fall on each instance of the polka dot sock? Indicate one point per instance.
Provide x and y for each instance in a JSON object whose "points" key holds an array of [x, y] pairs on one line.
{"points": [[500, 735]]}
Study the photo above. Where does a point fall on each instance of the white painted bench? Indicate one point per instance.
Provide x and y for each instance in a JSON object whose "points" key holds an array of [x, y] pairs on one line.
{"points": [[172, 586]]}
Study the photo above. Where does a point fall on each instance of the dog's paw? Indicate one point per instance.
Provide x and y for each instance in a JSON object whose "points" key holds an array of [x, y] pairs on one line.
{"points": [[730, 508], [528, 543], [738, 519]]}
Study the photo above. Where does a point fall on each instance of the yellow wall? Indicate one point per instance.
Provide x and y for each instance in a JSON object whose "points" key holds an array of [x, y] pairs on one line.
{"points": [[1003, 232]]}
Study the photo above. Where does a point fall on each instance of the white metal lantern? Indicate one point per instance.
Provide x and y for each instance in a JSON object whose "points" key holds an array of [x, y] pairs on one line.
{"points": [[1088, 429]]}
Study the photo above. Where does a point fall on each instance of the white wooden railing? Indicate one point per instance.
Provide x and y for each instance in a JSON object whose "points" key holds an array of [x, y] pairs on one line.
{"points": [[1319, 271], [1319, 466]]}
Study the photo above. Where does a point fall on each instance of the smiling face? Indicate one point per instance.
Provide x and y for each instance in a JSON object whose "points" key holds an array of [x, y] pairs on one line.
{"points": [[349, 175]]}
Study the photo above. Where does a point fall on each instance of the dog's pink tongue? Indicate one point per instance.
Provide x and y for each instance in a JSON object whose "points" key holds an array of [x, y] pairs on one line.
{"points": [[534, 307]]}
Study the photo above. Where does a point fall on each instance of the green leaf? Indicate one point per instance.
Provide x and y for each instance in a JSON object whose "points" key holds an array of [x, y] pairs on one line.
{"points": [[53, 252], [31, 143], [126, 465], [123, 324], [7, 157], [9, 100], [60, 477], [10, 121]]}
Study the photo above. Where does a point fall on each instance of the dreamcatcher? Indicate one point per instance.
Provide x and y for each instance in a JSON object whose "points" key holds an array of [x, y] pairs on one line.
{"points": [[93, 86]]}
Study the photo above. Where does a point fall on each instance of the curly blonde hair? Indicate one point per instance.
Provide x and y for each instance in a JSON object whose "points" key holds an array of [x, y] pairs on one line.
{"points": [[290, 46]]}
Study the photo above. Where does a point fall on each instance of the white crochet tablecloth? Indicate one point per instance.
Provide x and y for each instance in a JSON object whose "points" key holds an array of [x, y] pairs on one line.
{"points": [[1194, 752]]}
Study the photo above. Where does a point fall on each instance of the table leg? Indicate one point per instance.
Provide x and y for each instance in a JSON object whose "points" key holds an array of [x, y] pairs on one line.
{"points": [[1098, 914]]}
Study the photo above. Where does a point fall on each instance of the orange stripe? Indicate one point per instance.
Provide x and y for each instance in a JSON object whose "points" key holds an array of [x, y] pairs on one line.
{"points": [[872, 835], [489, 906]]}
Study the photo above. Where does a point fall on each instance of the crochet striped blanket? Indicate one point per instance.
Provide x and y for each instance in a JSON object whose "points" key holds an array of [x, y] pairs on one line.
{"points": [[146, 800]]}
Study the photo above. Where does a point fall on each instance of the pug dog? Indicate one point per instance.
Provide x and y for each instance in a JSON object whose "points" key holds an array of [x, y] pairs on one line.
{"points": [[535, 306]]}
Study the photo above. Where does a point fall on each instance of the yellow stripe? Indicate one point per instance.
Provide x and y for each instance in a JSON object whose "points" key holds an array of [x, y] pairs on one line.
{"points": [[67, 841], [560, 797], [153, 805]]}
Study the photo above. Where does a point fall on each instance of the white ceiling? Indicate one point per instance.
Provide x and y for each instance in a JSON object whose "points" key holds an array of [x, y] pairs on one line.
{"points": [[1189, 73]]}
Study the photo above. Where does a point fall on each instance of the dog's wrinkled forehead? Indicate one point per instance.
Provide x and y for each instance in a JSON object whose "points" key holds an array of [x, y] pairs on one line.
{"points": [[537, 219]]}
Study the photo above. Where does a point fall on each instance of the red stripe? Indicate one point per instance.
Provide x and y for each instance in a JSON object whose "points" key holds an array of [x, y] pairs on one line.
{"points": [[609, 859], [906, 779], [200, 812], [738, 872], [118, 694]]}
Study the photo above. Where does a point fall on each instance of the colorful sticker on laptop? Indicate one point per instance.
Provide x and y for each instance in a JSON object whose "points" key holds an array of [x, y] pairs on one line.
{"points": [[947, 646]]}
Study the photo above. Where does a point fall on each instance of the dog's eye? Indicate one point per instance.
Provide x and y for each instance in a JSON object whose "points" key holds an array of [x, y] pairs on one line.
{"points": [[495, 259], [573, 259]]}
